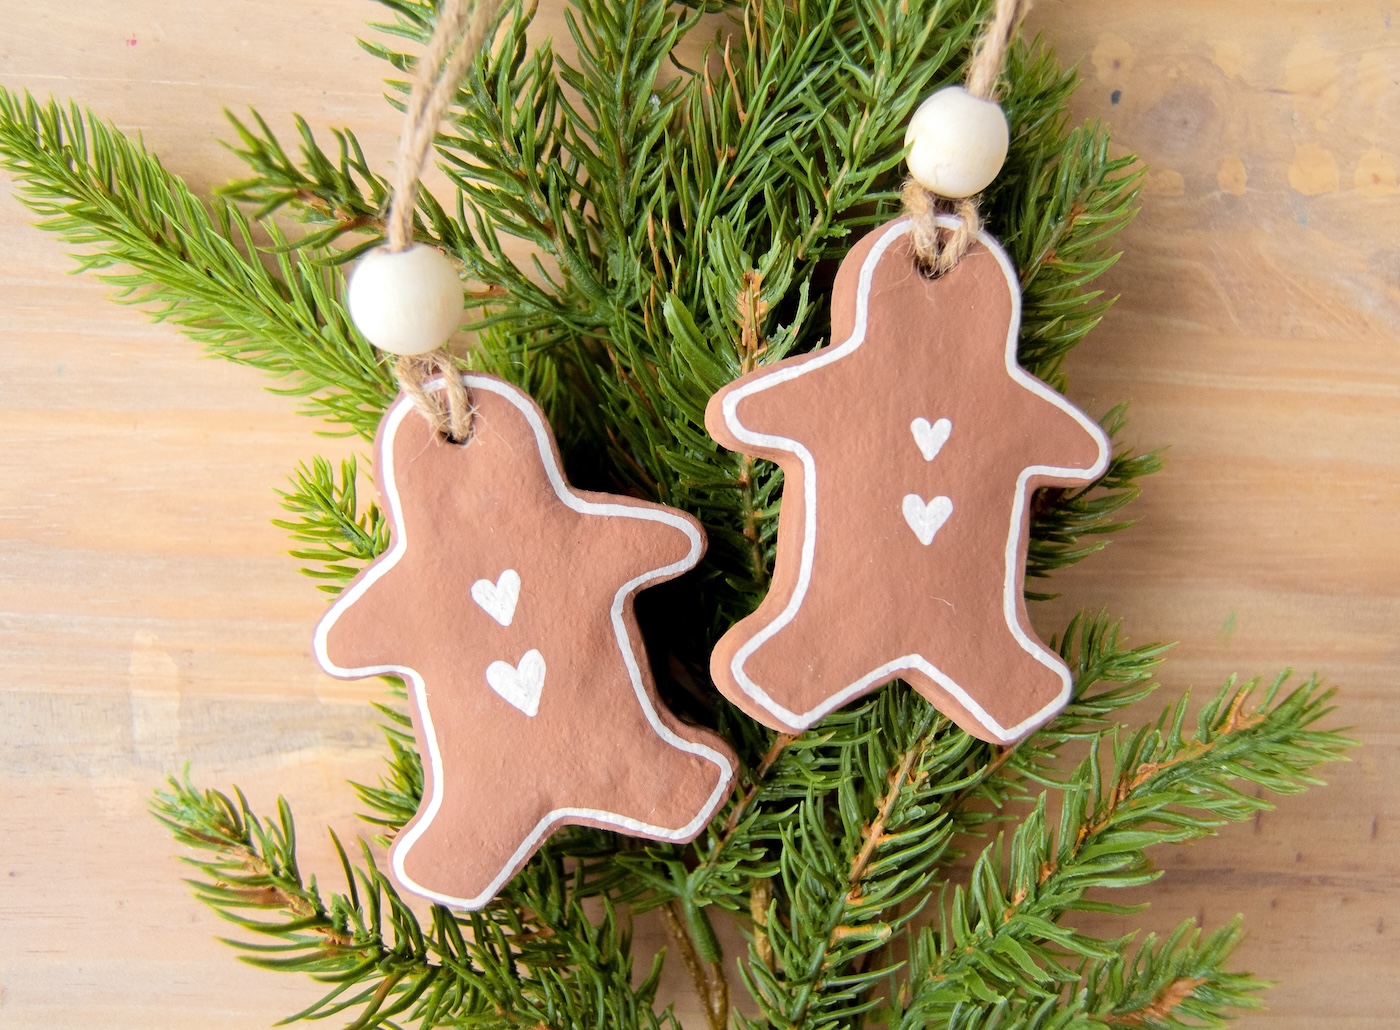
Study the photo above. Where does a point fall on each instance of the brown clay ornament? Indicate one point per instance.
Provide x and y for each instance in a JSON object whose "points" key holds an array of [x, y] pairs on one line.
{"points": [[505, 603], [910, 450]]}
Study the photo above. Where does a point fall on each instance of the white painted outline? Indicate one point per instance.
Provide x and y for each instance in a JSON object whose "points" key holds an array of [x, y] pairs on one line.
{"points": [[1010, 594], [427, 813]]}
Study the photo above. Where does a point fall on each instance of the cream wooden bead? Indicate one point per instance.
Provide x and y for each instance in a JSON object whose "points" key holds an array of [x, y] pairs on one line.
{"points": [[957, 143], [407, 301]]}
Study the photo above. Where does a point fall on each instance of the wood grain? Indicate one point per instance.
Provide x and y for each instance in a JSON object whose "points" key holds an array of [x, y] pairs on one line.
{"points": [[1257, 334], [148, 613]]}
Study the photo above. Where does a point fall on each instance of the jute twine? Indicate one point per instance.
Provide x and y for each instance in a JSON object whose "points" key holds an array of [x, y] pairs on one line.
{"points": [[939, 252], [460, 28], [448, 410]]}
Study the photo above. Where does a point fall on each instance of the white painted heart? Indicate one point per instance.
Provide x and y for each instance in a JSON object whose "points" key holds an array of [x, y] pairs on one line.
{"points": [[498, 599], [930, 436], [926, 518], [520, 684]]}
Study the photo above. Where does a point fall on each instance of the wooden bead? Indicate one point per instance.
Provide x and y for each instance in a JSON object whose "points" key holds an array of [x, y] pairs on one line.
{"points": [[407, 301], [957, 143]]}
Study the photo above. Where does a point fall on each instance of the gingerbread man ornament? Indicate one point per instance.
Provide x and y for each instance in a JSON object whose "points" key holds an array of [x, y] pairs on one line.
{"points": [[505, 603], [910, 448]]}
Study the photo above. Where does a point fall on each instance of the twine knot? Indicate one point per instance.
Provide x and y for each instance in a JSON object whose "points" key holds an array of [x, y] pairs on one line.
{"points": [[460, 27], [449, 408], [937, 250]]}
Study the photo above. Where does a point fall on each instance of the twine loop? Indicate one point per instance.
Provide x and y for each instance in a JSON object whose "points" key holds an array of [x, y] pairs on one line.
{"points": [[449, 409], [936, 254], [460, 28], [938, 250]]}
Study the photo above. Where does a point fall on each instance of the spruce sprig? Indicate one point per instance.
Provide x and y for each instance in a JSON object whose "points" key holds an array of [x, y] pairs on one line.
{"points": [[1178, 983], [906, 787], [342, 537], [1069, 525], [189, 262], [1001, 936], [369, 945], [499, 968], [681, 226], [337, 196]]}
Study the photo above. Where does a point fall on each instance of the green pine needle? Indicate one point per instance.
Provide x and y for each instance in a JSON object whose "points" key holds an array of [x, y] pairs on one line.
{"points": [[680, 226], [191, 263], [343, 539]]}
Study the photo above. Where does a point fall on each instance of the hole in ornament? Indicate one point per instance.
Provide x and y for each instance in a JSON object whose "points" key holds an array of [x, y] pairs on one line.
{"points": [[932, 272], [442, 417], [467, 438]]}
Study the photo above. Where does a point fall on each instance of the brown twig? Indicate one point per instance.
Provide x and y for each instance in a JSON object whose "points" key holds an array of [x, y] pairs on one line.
{"points": [[711, 985], [873, 835], [273, 895], [731, 824], [875, 831], [1161, 1007], [760, 897], [750, 310]]}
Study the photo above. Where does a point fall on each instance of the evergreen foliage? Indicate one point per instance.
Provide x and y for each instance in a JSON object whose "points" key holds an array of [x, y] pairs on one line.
{"points": [[190, 262], [682, 225]]}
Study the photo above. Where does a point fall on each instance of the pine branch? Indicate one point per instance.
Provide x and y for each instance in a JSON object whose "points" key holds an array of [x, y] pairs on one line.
{"points": [[1000, 935], [337, 196], [854, 781], [854, 855], [191, 264], [498, 968], [1175, 985], [370, 947], [1108, 677], [682, 230], [1179, 983], [706, 974], [343, 538], [1055, 207], [394, 801], [897, 835]]}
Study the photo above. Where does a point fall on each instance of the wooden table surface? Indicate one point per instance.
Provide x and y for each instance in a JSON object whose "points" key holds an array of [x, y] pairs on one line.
{"points": [[148, 614]]}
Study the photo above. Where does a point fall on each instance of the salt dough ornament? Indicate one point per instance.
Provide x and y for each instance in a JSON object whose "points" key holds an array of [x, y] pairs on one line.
{"points": [[505, 602], [910, 450]]}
